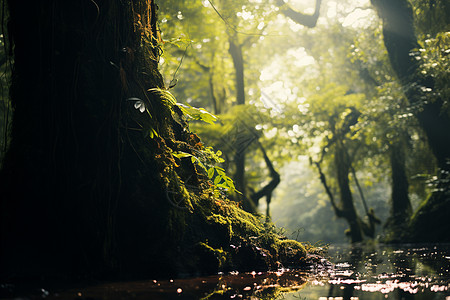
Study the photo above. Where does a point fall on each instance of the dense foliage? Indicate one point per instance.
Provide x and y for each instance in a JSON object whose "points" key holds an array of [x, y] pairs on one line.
{"points": [[302, 86]]}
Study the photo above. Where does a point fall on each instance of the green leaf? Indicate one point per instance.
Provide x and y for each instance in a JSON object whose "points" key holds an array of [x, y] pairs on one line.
{"points": [[197, 113], [210, 173], [222, 185], [153, 133], [181, 154], [220, 171]]}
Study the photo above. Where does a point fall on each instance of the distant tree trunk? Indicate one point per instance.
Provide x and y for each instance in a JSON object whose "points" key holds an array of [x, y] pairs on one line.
{"points": [[345, 208], [216, 102], [401, 205], [216, 105], [401, 209], [238, 62], [348, 211], [429, 223], [235, 51]]}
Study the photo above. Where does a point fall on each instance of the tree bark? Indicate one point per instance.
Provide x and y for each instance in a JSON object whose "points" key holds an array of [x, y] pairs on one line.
{"points": [[65, 180], [400, 41], [89, 184]]}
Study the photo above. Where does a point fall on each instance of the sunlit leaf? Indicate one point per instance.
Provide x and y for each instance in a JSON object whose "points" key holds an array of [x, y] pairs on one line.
{"points": [[181, 154], [210, 172], [197, 113]]}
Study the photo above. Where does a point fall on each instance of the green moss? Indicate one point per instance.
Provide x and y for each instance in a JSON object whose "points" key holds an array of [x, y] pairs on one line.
{"points": [[205, 231], [291, 244], [291, 252], [430, 221], [212, 295], [218, 253]]}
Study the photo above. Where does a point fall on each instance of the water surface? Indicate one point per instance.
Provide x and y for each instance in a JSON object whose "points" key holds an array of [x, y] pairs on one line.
{"points": [[381, 272], [369, 272]]}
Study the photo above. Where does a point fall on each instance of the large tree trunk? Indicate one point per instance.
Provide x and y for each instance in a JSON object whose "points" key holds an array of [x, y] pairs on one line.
{"points": [[400, 41], [345, 208], [90, 183], [342, 165], [429, 223], [64, 179]]}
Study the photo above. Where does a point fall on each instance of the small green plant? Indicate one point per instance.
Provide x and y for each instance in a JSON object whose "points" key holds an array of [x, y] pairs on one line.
{"points": [[207, 159], [148, 130]]}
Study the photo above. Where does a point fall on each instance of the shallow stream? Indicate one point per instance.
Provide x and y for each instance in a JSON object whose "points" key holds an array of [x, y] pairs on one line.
{"points": [[369, 272]]}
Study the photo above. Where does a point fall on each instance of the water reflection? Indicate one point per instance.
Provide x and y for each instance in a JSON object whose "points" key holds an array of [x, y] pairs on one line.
{"points": [[351, 273], [382, 272]]}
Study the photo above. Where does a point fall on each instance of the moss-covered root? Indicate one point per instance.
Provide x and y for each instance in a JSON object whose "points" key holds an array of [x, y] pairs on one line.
{"points": [[223, 237], [430, 222]]}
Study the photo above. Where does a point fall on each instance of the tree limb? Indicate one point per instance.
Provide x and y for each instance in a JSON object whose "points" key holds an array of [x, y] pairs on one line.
{"points": [[299, 18], [337, 210], [267, 189]]}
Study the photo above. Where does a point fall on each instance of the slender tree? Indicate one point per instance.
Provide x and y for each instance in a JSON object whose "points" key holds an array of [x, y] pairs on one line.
{"points": [[342, 165]]}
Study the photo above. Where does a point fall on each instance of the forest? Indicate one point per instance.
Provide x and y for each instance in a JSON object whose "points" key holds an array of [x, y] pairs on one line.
{"points": [[145, 138]]}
